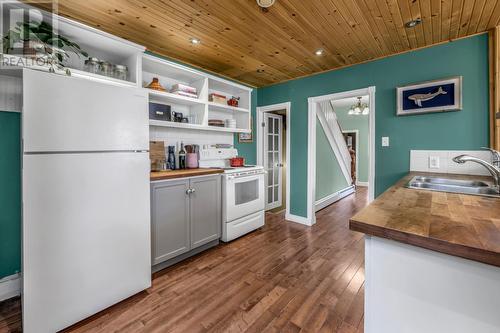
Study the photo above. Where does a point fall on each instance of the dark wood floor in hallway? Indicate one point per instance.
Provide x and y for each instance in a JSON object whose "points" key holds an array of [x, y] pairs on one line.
{"points": [[283, 278]]}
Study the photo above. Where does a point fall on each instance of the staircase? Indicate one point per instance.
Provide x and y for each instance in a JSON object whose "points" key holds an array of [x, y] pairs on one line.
{"points": [[328, 120]]}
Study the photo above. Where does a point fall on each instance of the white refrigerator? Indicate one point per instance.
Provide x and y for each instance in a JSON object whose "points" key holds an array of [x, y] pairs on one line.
{"points": [[86, 214]]}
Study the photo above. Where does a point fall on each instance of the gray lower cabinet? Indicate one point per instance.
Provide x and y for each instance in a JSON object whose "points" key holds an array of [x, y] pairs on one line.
{"points": [[185, 214], [170, 219], [205, 210]]}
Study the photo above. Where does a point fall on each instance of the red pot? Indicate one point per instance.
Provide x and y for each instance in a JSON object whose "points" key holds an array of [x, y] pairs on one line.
{"points": [[237, 162]]}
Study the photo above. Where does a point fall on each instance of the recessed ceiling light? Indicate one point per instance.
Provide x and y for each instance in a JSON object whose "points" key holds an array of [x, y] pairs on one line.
{"points": [[319, 52], [414, 23], [195, 41], [265, 3]]}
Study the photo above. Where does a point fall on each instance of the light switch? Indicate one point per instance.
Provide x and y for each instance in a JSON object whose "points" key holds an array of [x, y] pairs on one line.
{"points": [[385, 141], [433, 162]]}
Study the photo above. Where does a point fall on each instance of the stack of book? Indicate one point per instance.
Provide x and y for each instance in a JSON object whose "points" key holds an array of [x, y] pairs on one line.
{"points": [[184, 90], [216, 122]]}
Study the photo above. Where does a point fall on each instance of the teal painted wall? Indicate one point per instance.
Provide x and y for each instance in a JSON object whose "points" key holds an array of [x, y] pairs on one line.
{"points": [[360, 123], [329, 177], [466, 129], [10, 193]]}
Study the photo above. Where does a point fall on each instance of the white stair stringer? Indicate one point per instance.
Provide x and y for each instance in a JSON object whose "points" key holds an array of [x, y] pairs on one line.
{"points": [[328, 120]]}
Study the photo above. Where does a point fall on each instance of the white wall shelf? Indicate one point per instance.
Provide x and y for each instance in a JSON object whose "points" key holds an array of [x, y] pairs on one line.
{"points": [[199, 110], [161, 123], [96, 43], [226, 108], [166, 97]]}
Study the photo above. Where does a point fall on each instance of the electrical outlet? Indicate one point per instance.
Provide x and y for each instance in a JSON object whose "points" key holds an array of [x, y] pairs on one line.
{"points": [[385, 141], [433, 162]]}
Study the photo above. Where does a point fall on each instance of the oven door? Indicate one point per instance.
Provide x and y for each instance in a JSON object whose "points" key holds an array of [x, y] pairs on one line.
{"points": [[243, 195]]}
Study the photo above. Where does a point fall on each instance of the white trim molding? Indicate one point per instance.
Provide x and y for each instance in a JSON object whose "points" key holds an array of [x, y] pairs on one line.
{"points": [[287, 106], [311, 144], [10, 286], [334, 197], [298, 219], [364, 184]]}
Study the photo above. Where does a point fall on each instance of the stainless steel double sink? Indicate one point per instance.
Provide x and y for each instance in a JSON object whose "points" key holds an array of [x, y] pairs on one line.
{"points": [[475, 187]]}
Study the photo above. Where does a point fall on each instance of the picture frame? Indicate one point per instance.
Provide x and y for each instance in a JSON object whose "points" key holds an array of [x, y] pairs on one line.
{"points": [[431, 96], [246, 137]]}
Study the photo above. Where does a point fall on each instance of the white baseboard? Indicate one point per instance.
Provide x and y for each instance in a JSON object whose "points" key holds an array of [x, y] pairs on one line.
{"points": [[298, 219], [365, 184], [10, 286], [328, 200]]}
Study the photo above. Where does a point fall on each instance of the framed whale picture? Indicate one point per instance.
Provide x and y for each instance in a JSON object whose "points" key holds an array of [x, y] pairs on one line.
{"points": [[431, 96]]}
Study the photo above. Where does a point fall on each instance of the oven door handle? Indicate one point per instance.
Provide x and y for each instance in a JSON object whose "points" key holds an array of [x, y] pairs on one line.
{"points": [[229, 177]]}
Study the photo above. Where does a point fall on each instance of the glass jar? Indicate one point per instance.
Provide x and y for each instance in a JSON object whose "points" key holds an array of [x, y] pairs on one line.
{"points": [[121, 72], [92, 65], [107, 68]]}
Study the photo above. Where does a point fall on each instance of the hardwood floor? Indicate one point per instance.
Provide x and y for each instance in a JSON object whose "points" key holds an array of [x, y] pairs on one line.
{"points": [[283, 278]]}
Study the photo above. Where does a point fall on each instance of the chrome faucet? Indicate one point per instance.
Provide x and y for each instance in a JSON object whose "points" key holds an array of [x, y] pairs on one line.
{"points": [[495, 171], [495, 156]]}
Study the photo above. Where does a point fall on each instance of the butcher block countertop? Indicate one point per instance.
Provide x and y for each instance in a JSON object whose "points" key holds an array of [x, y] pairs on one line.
{"points": [[173, 174], [466, 226]]}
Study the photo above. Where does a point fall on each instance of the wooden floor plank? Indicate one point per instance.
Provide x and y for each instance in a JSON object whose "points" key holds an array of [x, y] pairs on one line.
{"points": [[285, 277]]}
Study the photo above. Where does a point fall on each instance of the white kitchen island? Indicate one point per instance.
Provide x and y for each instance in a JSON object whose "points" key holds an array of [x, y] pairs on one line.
{"points": [[432, 262]]}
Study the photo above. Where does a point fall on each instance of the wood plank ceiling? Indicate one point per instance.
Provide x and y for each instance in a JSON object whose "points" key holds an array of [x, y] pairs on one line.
{"points": [[240, 41]]}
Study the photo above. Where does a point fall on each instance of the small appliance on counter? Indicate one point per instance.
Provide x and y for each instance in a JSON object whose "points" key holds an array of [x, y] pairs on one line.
{"points": [[237, 161], [243, 193]]}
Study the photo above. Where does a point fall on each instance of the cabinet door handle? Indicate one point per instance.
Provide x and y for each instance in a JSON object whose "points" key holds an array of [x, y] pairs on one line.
{"points": [[189, 191], [193, 190]]}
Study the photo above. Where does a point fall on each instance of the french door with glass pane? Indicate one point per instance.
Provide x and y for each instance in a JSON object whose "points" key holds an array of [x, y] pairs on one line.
{"points": [[273, 128]]}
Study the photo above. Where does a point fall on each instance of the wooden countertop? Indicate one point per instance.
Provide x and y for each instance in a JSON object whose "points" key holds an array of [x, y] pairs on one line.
{"points": [[466, 226], [173, 174]]}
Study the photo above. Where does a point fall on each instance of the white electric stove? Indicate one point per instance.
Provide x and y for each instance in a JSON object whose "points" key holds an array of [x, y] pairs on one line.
{"points": [[243, 196]]}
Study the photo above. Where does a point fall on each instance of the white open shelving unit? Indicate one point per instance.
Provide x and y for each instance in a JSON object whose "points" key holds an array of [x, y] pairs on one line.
{"points": [[198, 110]]}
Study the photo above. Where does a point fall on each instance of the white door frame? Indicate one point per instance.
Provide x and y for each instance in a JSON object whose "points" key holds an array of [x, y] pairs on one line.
{"points": [[279, 201], [311, 144], [260, 141]]}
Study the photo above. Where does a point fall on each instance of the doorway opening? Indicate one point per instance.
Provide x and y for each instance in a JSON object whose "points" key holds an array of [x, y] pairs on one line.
{"points": [[273, 137], [341, 146]]}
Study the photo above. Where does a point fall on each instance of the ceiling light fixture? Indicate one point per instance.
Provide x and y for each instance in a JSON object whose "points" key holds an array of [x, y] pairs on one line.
{"points": [[319, 52], [413, 23], [265, 3], [359, 108], [195, 41]]}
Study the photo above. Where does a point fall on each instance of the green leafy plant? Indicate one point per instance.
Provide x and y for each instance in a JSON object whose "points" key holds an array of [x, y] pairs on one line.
{"points": [[39, 39]]}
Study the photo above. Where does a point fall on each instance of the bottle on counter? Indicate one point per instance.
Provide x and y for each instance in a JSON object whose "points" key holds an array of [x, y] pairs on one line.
{"points": [[171, 157], [182, 157]]}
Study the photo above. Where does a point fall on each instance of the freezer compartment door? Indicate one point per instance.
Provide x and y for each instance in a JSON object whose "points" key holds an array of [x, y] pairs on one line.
{"points": [[63, 113], [86, 235]]}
